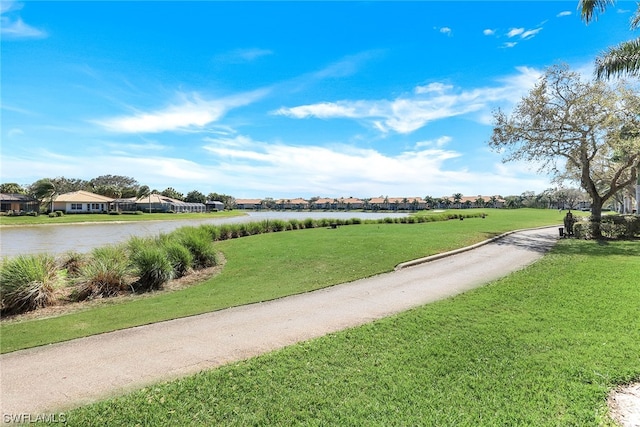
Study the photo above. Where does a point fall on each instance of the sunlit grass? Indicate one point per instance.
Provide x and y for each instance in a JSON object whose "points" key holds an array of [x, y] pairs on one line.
{"points": [[541, 347], [269, 266]]}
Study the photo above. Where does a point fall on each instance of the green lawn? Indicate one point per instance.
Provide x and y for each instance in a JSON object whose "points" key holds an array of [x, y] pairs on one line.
{"points": [[74, 218], [541, 347]]}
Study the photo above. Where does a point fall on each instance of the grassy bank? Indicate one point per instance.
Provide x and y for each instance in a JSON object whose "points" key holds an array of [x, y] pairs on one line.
{"points": [[269, 266], [541, 347], [79, 218]]}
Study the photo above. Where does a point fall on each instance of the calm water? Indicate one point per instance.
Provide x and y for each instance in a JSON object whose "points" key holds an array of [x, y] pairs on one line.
{"points": [[57, 239]]}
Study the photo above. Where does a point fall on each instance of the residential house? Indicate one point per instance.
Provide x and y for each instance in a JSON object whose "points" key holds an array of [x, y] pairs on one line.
{"points": [[214, 206], [18, 203], [158, 203], [249, 203], [292, 204], [398, 203], [81, 202]]}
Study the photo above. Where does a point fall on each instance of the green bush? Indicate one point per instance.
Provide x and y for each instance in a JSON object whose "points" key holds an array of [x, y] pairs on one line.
{"points": [[612, 227], [28, 282], [620, 226], [179, 256], [152, 266], [107, 273], [198, 242], [277, 225]]}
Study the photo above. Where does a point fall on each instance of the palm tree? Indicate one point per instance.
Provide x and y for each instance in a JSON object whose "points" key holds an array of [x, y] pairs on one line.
{"points": [[457, 198], [44, 189], [144, 191], [430, 201], [618, 60]]}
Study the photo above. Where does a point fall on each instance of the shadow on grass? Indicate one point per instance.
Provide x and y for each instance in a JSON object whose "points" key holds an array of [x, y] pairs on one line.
{"points": [[599, 247]]}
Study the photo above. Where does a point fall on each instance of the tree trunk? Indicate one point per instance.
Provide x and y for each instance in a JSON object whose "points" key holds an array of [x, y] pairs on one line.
{"points": [[596, 216]]}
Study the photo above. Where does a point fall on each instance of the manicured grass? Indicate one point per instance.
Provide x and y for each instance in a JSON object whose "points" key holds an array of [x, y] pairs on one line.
{"points": [[541, 347], [269, 266], [73, 218]]}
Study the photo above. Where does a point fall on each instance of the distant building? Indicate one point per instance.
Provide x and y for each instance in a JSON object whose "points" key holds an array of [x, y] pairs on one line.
{"points": [[81, 202], [18, 203], [214, 206], [156, 202]]}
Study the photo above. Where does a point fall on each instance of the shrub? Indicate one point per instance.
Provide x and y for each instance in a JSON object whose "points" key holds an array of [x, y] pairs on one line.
{"points": [[293, 224], [309, 223], [226, 232], [28, 282], [256, 228], [152, 266], [179, 256], [72, 262], [620, 226], [106, 274], [199, 244], [611, 226], [277, 225]]}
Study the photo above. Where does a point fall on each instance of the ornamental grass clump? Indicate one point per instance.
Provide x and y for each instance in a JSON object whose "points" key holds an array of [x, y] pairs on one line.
{"points": [[179, 256], [199, 243], [106, 274], [152, 266], [28, 282]]}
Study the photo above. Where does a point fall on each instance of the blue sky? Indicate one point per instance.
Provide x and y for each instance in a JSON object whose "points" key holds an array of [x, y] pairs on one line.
{"points": [[282, 99]]}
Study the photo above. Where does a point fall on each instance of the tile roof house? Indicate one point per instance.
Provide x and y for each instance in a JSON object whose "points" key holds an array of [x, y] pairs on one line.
{"points": [[248, 203], [158, 203], [18, 203], [81, 202]]}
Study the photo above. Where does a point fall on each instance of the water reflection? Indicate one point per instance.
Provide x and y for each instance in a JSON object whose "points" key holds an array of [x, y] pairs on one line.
{"points": [[61, 238]]}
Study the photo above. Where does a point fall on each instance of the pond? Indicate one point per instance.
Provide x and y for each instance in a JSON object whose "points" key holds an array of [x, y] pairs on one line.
{"points": [[61, 238]]}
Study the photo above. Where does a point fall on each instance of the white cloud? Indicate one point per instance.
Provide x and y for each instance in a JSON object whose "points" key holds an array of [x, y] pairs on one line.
{"points": [[489, 32], [446, 30], [509, 44], [243, 55], [564, 13], [14, 27], [429, 103], [14, 132], [515, 32], [439, 142], [262, 168], [432, 87], [192, 112], [530, 33]]}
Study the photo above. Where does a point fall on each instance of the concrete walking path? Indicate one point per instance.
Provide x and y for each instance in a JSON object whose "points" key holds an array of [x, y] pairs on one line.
{"points": [[61, 376]]}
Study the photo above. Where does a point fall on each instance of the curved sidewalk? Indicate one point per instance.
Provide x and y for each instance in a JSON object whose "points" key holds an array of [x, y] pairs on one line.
{"points": [[69, 374]]}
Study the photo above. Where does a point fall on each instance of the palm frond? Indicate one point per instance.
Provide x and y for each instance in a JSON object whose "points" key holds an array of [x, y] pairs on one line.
{"points": [[619, 60], [635, 21], [589, 8]]}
